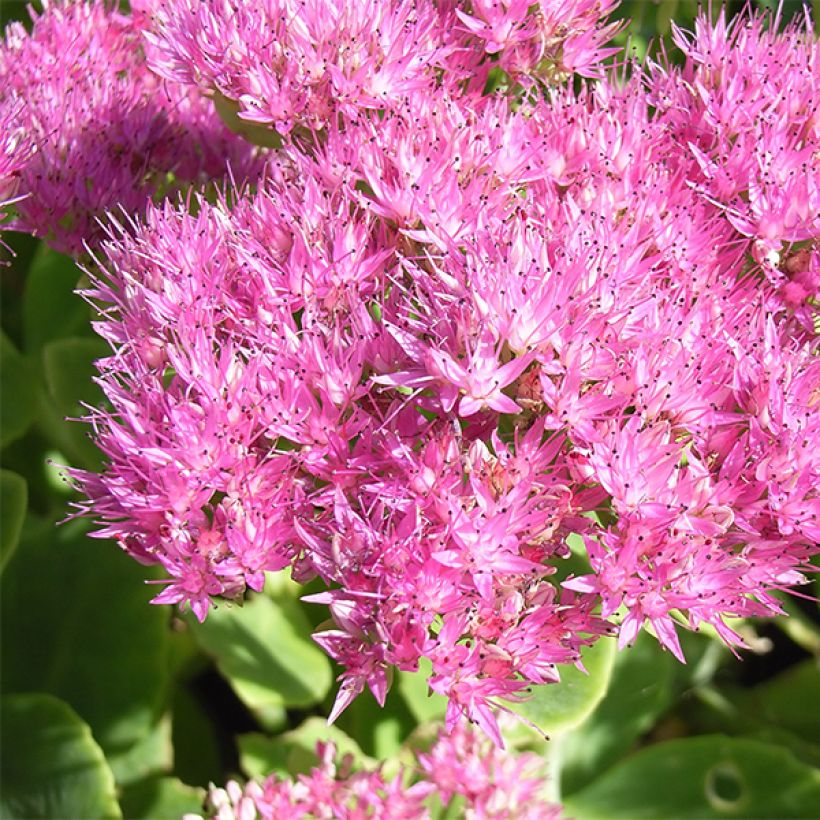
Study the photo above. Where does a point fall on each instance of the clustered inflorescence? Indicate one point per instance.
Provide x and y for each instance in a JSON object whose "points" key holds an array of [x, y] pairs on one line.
{"points": [[463, 314], [461, 768]]}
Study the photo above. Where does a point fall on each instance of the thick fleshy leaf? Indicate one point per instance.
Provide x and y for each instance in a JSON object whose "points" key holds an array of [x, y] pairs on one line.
{"points": [[802, 625], [16, 253], [295, 752], [51, 308], [559, 707], [161, 798], [13, 500], [18, 391], [265, 650], [69, 370], [702, 777], [639, 691], [380, 730], [51, 766], [150, 756], [789, 701], [424, 704], [77, 624]]}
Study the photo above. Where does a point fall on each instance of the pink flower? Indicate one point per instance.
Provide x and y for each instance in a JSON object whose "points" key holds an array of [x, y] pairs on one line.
{"points": [[104, 131], [491, 783], [481, 378], [295, 66], [440, 336]]}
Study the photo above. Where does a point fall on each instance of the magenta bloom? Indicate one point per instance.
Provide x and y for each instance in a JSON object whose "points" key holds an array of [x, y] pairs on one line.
{"points": [[492, 784], [105, 132], [445, 332], [289, 64]]}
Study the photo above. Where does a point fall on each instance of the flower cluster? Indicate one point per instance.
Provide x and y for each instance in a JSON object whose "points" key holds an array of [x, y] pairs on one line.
{"points": [[544, 40], [105, 132], [14, 147], [449, 336], [305, 66], [490, 783]]}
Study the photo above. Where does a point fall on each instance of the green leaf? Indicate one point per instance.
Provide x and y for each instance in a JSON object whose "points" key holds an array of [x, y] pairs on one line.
{"points": [[150, 756], [18, 392], [257, 134], [51, 766], [558, 707], [789, 701], [639, 691], [265, 650], [77, 624], [800, 626], [380, 731], [161, 798], [295, 752], [51, 309], [16, 252], [69, 372], [424, 704], [805, 751], [702, 777], [13, 500]]}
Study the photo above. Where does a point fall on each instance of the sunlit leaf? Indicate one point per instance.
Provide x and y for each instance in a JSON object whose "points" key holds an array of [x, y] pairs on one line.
{"points": [[265, 651], [702, 777], [294, 752], [558, 707], [424, 704]]}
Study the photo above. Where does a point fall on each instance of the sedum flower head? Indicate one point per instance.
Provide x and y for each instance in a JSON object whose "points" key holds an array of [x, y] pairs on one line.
{"points": [[492, 785], [104, 131], [452, 337]]}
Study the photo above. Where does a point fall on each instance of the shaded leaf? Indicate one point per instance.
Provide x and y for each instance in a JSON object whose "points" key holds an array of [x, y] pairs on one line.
{"points": [[51, 766], [18, 392], [294, 752], [51, 309], [702, 777], [265, 650], [77, 624], [803, 750], [13, 500], [150, 756], [791, 701], [639, 691], [161, 798], [69, 372], [197, 749], [16, 253]]}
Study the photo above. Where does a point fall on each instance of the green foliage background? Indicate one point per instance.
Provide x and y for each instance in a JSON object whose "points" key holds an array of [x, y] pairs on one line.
{"points": [[114, 708]]}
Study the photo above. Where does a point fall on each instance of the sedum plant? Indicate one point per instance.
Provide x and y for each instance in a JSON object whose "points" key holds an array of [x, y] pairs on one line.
{"points": [[501, 342]]}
